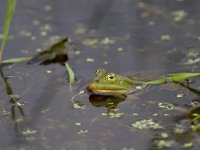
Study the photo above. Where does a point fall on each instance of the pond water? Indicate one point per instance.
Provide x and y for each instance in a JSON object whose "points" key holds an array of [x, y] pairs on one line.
{"points": [[139, 37]]}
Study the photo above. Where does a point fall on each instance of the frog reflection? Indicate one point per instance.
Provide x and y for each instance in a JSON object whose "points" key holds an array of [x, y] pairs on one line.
{"points": [[109, 102]]}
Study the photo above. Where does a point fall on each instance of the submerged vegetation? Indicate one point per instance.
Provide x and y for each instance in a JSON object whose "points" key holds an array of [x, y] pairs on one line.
{"points": [[16, 104]]}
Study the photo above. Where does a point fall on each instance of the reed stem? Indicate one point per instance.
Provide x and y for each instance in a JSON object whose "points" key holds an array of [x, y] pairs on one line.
{"points": [[9, 14]]}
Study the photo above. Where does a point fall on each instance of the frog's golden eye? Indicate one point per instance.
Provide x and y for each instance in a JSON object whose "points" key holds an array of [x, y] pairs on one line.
{"points": [[111, 77]]}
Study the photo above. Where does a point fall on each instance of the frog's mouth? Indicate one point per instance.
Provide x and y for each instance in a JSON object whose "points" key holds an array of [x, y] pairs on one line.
{"points": [[106, 90], [112, 90]]}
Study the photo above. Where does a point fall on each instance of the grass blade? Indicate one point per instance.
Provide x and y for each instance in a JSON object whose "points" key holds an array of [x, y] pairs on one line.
{"points": [[70, 73], [20, 108], [9, 15], [16, 60]]}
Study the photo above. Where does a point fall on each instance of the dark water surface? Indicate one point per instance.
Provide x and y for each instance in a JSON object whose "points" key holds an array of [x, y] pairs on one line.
{"points": [[146, 38]]}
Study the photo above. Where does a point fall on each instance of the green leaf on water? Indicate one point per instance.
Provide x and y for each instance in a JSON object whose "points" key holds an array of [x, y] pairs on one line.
{"points": [[182, 76], [157, 81], [173, 78], [70, 73]]}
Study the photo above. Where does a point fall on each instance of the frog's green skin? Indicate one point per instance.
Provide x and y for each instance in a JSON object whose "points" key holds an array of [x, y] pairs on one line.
{"points": [[106, 83]]}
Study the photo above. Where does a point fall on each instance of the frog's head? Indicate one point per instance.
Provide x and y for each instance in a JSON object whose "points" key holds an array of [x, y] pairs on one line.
{"points": [[110, 83]]}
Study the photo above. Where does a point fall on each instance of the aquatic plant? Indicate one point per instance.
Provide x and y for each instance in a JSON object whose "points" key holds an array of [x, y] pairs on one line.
{"points": [[14, 100], [70, 73], [8, 18], [176, 77]]}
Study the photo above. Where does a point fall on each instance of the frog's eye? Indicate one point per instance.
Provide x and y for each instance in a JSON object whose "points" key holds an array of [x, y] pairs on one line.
{"points": [[100, 72], [97, 72], [111, 77]]}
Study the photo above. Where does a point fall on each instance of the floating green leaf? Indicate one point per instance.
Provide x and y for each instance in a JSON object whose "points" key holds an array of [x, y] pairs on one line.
{"points": [[158, 81], [182, 76], [173, 78]]}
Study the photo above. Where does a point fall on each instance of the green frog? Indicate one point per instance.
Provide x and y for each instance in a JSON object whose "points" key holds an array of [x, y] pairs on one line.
{"points": [[106, 83]]}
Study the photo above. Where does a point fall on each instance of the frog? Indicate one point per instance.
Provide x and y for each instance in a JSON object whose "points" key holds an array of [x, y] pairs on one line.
{"points": [[109, 83]]}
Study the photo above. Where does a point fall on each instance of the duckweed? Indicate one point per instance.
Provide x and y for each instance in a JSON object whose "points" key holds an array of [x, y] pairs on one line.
{"points": [[165, 143], [89, 59], [187, 145], [179, 129], [82, 131], [120, 49], [165, 37], [179, 95], [77, 123], [29, 131], [164, 135], [48, 8], [167, 106], [48, 71], [179, 15], [80, 29], [90, 42], [146, 124], [113, 114], [77, 105], [107, 41]]}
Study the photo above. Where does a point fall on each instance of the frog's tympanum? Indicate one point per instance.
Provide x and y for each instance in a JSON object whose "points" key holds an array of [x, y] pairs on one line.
{"points": [[106, 83]]}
